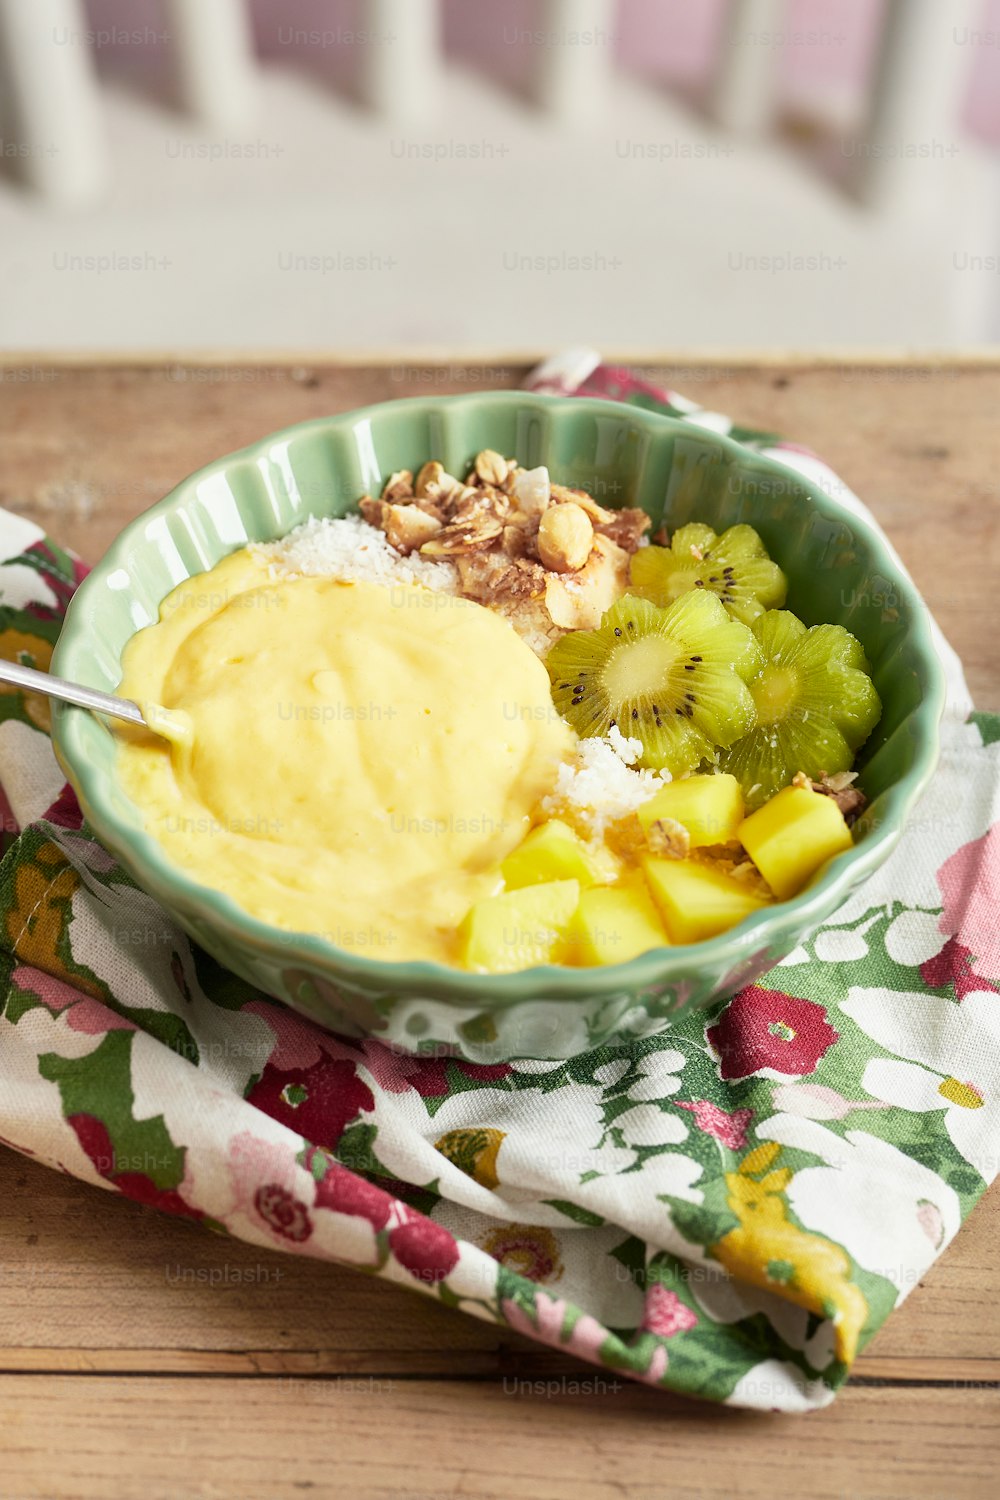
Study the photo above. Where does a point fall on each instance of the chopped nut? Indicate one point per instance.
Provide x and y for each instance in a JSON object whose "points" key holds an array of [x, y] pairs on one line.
{"points": [[493, 577], [852, 803], [515, 540], [399, 486], [839, 781], [372, 510], [732, 860], [669, 839], [447, 485], [485, 501], [430, 506], [435, 489], [460, 497], [850, 799], [748, 874], [407, 528], [430, 474], [565, 537], [497, 524], [491, 467], [527, 579], [463, 536], [597, 513], [626, 527]]}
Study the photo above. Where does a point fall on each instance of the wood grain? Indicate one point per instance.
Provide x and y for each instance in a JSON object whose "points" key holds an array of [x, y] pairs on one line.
{"points": [[154, 1439], [85, 448], [91, 1281], [141, 1357]]}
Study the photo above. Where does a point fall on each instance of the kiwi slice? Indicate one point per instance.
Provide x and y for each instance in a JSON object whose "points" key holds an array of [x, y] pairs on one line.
{"points": [[735, 566], [672, 678], [816, 705]]}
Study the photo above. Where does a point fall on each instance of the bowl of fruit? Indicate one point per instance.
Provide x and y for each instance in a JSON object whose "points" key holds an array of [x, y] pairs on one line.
{"points": [[514, 724]]}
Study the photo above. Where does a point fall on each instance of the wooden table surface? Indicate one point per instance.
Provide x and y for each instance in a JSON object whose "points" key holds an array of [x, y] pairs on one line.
{"points": [[140, 1356]]}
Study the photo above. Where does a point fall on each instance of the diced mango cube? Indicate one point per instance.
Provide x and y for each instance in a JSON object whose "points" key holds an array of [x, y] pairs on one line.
{"points": [[709, 807], [517, 929], [792, 835], [698, 901], [552, 851], [614, 923]]}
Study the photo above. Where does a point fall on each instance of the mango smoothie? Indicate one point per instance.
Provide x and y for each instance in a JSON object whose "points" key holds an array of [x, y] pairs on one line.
{"points": [[487, 723], [361, 761]]}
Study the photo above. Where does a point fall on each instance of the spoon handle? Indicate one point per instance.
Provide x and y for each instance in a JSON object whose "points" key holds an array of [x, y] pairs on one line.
{"points": [[70, 692]]}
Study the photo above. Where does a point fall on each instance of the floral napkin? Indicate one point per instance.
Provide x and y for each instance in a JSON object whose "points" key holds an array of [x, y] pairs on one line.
{"points": [[729, 1210]]}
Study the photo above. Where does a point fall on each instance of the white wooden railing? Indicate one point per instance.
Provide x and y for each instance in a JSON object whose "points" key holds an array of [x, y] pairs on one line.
{"points": [[55, 107]]}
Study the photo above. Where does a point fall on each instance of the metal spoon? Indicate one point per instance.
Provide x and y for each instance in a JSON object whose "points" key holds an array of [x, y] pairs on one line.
{"points": [[170, 724]]}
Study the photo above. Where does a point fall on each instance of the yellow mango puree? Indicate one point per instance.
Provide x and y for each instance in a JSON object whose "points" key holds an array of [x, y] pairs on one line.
{"points": [[361, 758]]}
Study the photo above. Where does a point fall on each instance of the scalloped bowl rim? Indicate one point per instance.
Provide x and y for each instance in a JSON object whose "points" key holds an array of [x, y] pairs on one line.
{"points": [[141, 851]]}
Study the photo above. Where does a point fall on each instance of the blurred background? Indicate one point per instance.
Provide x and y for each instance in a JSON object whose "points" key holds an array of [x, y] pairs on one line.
{"points": [[501, 175]]}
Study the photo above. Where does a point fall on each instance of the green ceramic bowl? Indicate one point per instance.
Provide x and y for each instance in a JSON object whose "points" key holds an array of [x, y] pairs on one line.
{"points": [[839, 570]]}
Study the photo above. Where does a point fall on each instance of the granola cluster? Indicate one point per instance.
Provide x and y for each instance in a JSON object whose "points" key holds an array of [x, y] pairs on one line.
{"points": [[548, 557], [849, 798]]}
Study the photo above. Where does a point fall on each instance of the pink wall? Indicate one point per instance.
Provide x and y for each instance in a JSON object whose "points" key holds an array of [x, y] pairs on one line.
{"points": [[128, 16], [838, 50], [488, 34], [283, 26], [983, 112], [672, 41]]}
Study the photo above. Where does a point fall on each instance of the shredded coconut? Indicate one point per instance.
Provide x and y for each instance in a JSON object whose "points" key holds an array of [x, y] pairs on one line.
{"points": [[532, 634], [349, 549], [627, 750], [533, 490], [600, 785]]}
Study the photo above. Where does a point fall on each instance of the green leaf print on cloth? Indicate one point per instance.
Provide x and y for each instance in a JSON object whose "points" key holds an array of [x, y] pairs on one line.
{"points": [[729, 1210]]}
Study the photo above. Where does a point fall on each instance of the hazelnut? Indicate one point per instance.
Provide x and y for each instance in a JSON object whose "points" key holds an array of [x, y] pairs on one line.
{"points": [[565, 537]]}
